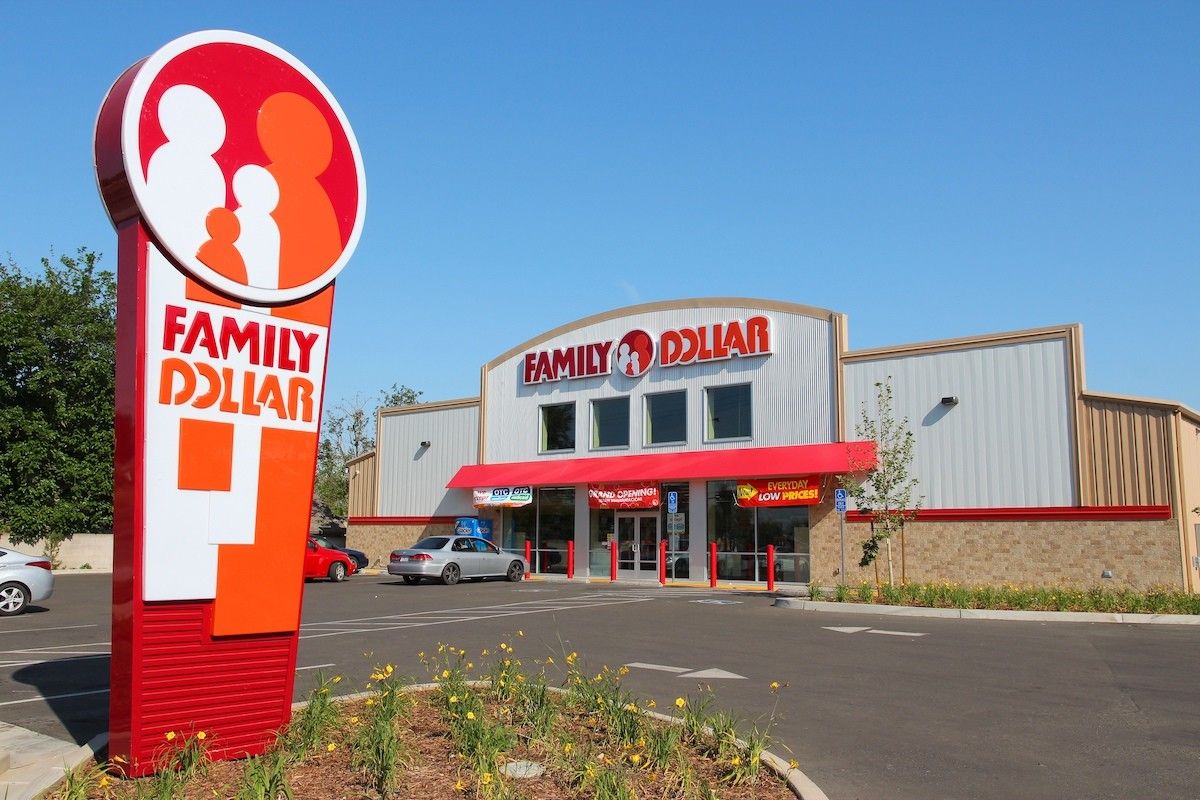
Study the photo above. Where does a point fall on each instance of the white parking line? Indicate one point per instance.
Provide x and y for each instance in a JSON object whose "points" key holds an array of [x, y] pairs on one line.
{"points": [[315, 666], [59, 628], [52, 697], [895, 633]]}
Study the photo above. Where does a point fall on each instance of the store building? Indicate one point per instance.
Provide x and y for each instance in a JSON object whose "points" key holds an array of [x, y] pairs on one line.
{"points": [[729, 421]]}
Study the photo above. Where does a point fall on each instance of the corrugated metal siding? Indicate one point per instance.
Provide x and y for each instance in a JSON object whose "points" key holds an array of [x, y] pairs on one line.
{"points": [[413, 477], [1126, 453], [1008, 442], [792, 390], [362, 487], [238, 690]]}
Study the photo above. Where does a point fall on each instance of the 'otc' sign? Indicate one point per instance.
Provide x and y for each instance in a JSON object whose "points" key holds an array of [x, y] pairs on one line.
{"points": [[236, 187]]}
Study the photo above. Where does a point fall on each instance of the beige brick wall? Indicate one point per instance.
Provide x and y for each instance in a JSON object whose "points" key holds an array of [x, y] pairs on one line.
{"points": [[378, 541], [1140, 553]]}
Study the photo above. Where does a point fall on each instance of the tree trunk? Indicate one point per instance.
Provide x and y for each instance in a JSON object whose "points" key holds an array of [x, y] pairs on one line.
{"points": [[891, 571]]}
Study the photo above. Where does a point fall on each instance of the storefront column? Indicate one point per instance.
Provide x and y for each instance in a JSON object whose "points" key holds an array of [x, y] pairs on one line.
{"points": [[697, 526], [583, 524]]}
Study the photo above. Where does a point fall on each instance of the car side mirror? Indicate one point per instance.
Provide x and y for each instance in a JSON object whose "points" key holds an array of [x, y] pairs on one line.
{"points": [[312, 546]]}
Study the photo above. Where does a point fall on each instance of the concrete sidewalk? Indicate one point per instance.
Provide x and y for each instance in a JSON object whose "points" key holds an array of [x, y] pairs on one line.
{"points": [[803, 604], [32, 762]]}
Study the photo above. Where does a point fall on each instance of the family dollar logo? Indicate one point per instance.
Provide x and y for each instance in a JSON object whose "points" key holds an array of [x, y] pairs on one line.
{"points": [[243, 166], [635, 353]]}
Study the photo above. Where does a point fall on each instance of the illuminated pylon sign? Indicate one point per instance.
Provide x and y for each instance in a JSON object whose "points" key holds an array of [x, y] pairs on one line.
{"points": [[236, 188]]}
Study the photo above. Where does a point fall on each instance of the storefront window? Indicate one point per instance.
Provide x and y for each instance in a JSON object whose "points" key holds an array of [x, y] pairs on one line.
{"points": [[558, 428], [728, 411], [610, 422], [547, 523], [742, 536], [677, 537], [603, 532], [666, 418]]}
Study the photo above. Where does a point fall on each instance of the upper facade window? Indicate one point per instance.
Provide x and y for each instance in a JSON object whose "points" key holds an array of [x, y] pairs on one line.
{"points": [[557, 428], [728, 411], [666, 418], [610, 423]]}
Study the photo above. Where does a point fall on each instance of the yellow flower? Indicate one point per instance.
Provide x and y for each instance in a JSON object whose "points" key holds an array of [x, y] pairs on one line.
{"points": [[774, 686], [459, 786], [441, 647], [567, 748], [485, 778], [794, 764], [104, 781], [635, 759], [485, 652], [630, 707], [651, 704], [623, 671], [170, 736], [370, 702], [389, 669], [337, 678], [453, 699], [680, 702], [353, 720], [520, 633], [549, 659], [445, 673], [421, 655], [571, 658], [201, 735], [736, 760], [330, 747], [470, 715], [470, 665]]}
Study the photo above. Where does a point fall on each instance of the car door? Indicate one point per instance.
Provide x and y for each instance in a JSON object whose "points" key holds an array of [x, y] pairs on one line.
{"points": [[491, 561], [312, 560], [463, 553]]}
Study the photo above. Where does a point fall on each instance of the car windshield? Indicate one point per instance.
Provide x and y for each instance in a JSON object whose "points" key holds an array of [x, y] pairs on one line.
{"points": [[432, 543]]}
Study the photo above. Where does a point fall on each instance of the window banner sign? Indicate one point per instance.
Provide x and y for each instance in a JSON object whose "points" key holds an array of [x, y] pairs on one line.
{"points": [[236, 188], [624, 495], [804, 491], [504, 497]]}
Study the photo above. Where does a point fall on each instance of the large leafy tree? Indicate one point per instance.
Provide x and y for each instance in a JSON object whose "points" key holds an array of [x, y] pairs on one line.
{"points": [[347, 432], [57, 357], [886, 494]]}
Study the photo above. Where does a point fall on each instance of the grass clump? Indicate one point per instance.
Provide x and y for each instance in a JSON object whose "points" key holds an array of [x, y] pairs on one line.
{"points": [[945, 594]]}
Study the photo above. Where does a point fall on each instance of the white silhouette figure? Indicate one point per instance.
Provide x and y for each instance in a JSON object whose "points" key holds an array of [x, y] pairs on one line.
{"points": [[623, 358], [183, 180], [635, 364], [257, 194]]}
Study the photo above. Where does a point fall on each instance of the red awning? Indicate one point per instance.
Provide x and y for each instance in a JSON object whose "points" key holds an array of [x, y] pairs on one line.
{"points": [[755, 462]]}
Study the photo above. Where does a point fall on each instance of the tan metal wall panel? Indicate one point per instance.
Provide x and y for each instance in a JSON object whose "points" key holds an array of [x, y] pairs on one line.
{"points": [[1189, 461], [413, 478], [1126, 453], [793, 390], [362, 486]]}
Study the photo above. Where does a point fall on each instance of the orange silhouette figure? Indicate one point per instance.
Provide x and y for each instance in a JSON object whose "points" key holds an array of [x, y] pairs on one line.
{"points": [[296, 138], [220, 253]]}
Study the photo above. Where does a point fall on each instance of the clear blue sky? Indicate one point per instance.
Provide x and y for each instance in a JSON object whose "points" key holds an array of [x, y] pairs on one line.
{"points": [[933, 170]]}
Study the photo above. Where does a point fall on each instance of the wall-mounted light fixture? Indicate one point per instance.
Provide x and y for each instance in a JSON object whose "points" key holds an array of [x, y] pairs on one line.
{"points": [[950, 400], [425, 443]]}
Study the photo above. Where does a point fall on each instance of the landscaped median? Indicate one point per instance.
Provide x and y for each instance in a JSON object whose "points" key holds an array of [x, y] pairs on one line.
{"points": [[485, 727], [1090, 604]]}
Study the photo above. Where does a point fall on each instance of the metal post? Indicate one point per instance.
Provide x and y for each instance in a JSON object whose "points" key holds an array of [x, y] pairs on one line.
{"points": [[712, 565], [528, 557], [662, 562], [770, 568], [570, 559], [842, 530], [612, 561]]}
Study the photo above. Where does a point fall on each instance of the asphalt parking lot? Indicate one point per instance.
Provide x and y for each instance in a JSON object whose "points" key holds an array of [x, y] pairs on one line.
{"points": [[872, 706]]}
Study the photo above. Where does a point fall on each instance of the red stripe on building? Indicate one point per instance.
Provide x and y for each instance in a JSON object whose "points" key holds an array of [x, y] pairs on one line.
{"points": [[1072, 513], [402, 520]]}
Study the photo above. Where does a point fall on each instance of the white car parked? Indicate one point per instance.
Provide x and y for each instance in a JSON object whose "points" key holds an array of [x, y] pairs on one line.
{"points": [[23, 580]]}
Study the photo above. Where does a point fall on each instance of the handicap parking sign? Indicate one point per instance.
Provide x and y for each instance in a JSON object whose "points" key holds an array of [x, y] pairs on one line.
{"points": [[672, 502]]}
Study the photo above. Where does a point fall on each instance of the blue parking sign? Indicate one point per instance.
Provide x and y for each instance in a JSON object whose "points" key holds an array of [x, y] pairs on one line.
{"points": [[672, 502], [839, 495]]}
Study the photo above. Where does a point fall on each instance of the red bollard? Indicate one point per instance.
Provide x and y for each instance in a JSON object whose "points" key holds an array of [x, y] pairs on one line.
{"points": [[712, 565], [570, 559], [528, 557], [662, 562], [770, 568], [612, 562]]}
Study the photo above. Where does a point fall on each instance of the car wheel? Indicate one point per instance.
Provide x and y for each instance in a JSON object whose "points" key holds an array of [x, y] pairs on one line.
{"points": [[13, 599], [451, 574], [337, 572], [516, 571], [411, 579]]}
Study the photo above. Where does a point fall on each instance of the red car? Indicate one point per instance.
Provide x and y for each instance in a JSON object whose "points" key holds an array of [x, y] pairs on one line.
{"points": [[322, 562]]}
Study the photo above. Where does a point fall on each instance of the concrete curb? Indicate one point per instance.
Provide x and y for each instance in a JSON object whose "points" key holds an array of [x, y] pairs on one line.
{"points": [[53, 775], [986, 613]]}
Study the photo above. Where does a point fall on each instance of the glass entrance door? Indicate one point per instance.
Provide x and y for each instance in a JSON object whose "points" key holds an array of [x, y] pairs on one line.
{"points": [[637, 545]]}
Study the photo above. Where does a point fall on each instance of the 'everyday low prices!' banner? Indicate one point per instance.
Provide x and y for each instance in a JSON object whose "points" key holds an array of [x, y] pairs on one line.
{"points": [[804, 491], [624, 495]]}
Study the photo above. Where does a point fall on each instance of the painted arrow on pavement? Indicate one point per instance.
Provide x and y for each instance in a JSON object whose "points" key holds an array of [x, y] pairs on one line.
{"points": [[688, 672]]}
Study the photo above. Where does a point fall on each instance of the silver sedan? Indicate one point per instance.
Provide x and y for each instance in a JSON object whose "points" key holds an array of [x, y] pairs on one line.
{"points": [[453, 557], [23, 580]]}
